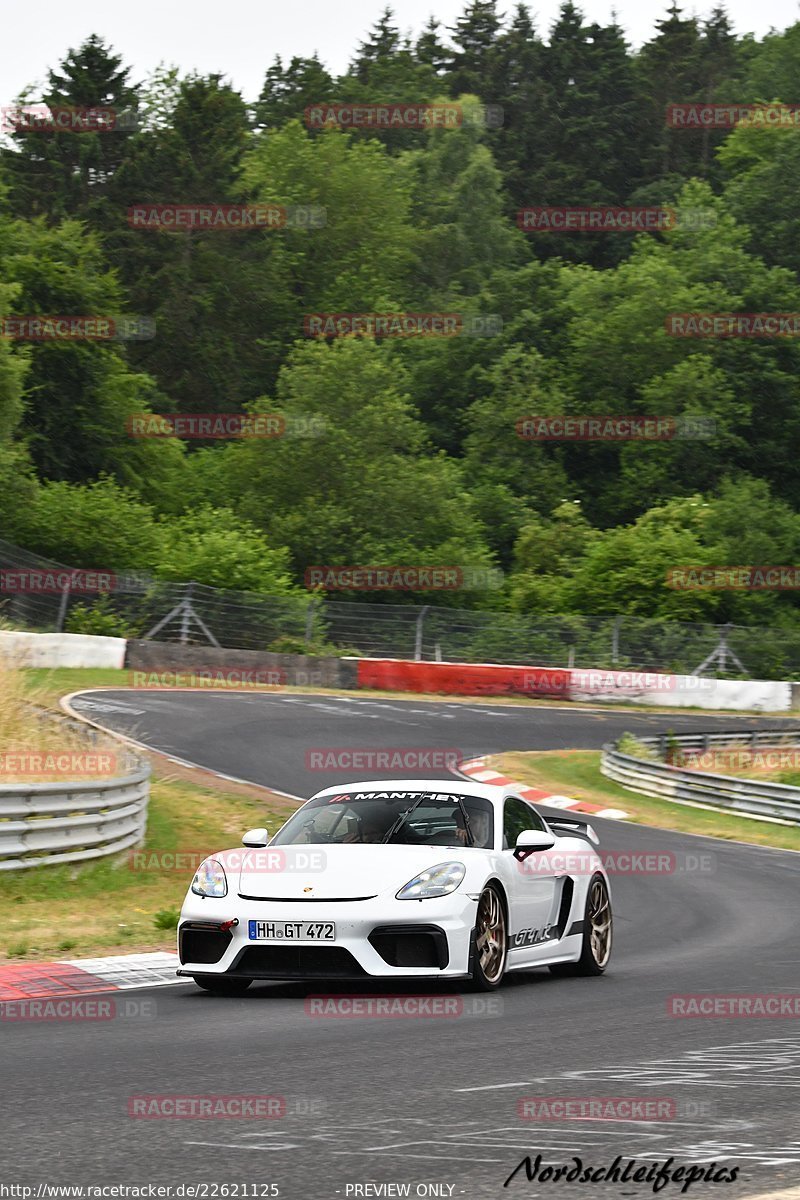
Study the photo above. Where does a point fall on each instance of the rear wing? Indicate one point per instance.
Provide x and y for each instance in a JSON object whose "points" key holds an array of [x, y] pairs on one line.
{"points": [[573, 828]]}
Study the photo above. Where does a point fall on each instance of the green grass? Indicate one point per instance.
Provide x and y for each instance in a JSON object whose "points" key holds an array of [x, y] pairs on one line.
{"points": [[111, 906], [577, 773]]}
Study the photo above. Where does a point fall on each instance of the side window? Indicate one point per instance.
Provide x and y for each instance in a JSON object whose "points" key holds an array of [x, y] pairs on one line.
{"points": [[518, 816]]}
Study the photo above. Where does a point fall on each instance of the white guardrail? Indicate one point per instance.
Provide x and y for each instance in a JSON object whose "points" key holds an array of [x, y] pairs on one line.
{"points": [[775, 801], [43, 824]]}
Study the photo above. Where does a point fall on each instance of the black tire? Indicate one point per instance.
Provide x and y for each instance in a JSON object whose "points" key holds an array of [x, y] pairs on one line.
{"points": [[222, 985], [489, 941], [598, 928]]}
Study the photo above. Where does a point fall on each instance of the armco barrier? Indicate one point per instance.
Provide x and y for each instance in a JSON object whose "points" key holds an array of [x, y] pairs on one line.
{"points": [[461, 679], [683, 786], [50, 823], [61, 650]]}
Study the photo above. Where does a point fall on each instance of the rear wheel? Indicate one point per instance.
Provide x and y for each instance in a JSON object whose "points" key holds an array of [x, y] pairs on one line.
{"points": [[597, 933], [222, 985], [491, 942]]}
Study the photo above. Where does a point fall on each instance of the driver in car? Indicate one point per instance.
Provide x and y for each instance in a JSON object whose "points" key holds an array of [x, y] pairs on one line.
{"points": [[367, 829]]}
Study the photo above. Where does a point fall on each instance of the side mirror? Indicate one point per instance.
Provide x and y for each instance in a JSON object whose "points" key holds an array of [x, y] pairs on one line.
{"points": [[256, 838], [531, 840]]}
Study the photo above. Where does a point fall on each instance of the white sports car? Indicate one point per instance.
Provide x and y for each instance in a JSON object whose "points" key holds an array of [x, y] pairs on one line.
{"points": [[398, 879]]}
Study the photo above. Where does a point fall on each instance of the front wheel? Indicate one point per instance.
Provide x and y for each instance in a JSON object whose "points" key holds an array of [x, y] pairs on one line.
{"points": [[222, 985], [491, 942], [597, 934]]}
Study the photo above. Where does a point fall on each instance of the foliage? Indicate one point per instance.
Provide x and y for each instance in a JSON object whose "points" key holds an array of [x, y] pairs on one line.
{"points": [[416, 456], [99, 619]]}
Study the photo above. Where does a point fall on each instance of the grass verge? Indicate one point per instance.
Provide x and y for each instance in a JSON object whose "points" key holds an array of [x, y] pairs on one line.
{"points": [[577, 773], [124, 904]]}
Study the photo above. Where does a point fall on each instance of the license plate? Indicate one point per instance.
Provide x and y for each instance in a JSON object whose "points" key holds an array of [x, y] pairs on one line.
{"points": [[291, 931]]}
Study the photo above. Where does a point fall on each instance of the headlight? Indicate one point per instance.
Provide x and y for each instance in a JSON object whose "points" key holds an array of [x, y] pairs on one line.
{"points": [[210, 879], [436, 881]]}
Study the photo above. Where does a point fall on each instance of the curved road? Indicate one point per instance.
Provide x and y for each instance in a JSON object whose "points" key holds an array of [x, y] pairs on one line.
{"points": [[432, 1104]]}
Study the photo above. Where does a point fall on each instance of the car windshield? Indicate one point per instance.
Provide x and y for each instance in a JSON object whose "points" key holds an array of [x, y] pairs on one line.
{"points": [[393, 817]]}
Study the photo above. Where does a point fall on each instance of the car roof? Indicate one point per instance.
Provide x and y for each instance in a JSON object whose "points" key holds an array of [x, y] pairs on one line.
{"points": [[460, 787]]}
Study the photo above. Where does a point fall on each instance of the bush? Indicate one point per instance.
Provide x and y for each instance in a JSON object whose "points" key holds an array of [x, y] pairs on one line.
{"points": [[628, 744], [98, 619], [166, 918], [294, 645]]}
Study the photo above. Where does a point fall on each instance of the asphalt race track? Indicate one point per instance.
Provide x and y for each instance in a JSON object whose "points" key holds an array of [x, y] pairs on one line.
{"points": [[424, 1102]]}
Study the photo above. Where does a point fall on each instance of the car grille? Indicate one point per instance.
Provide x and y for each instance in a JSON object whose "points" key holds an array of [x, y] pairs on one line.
{"points": [[411, 945], [202, 943], [297, 962]]}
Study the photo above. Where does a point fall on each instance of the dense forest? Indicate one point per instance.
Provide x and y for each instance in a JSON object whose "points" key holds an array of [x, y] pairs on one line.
{"points": [[407, 450]]}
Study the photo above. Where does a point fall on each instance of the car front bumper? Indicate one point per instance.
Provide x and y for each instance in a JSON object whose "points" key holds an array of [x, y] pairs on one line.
{"points": [[435, 935]]}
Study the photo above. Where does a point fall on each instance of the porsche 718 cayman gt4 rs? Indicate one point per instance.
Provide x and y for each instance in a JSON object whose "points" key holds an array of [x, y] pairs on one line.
{"points": [[400, 879]]}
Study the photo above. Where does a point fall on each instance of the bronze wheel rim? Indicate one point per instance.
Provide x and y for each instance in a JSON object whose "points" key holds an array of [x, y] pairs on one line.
{"points": [[600, 922], [491, 935]]}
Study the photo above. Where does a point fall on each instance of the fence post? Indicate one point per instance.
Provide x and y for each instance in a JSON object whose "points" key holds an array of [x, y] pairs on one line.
{"points": [[62, 606], [615, 639], [418, 637], [310, 620], [186, 613]]}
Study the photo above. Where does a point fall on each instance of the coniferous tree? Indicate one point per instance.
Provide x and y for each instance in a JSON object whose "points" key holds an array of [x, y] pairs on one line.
{"points": [[430, 50], [382, 43], [288, 91], [67, 174], [671, 70], [475, 68]]}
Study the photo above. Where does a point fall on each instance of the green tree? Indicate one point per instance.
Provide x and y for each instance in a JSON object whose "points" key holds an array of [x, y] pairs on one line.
{"points": [[216, 547], [59, 175], [102, 526], [476, 60], [206, 348], [372, 490], [288, 91], [79, 394], [670, 67]]}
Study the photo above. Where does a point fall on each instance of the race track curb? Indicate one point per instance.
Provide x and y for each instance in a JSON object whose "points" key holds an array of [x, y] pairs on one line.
{"points": [[477, 769], [82, 976]]}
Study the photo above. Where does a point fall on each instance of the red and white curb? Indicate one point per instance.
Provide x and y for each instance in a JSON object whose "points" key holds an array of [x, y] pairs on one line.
{"points": [[80, 976], [477, 769]]}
